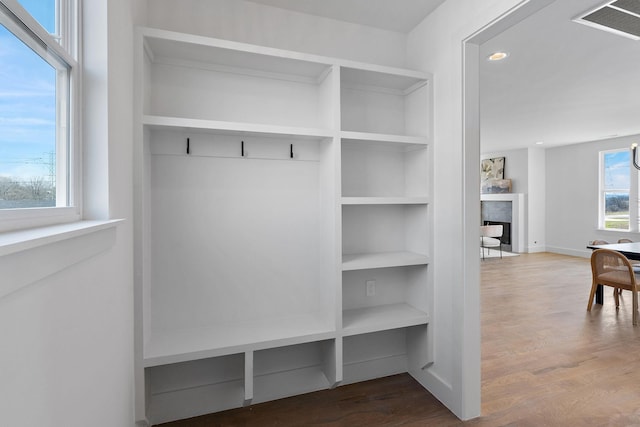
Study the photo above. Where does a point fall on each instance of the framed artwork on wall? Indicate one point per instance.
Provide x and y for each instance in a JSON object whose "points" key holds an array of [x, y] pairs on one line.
{"points": [[492, 169]]}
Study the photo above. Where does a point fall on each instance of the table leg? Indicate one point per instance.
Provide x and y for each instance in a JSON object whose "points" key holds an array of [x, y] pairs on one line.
{"points": [[600, 294]]}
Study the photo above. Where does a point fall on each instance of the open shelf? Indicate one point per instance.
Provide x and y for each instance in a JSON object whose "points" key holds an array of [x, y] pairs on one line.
{"points": [[385, 200], [189, 389], [382, 260], [216, 126], [199, 78], [373, 139], [162, 45], [386, 228], [198, 343], [385, 170], [291, 370], [380, 318], [380, 103]]}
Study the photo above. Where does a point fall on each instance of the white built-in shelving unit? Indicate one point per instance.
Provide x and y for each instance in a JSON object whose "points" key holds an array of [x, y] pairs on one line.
{"points": [[283, 227]]}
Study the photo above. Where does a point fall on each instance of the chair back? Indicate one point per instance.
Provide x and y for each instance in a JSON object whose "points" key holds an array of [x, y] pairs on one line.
{"points": [[613, 269], [491, 230], [625, 241]]}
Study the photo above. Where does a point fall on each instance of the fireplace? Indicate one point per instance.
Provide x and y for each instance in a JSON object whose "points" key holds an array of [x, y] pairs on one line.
{"points": [[508, 210]]}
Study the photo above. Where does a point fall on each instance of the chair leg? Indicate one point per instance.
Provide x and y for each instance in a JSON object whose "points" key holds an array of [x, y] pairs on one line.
{"points": [[634, 304], [591, 296], [616, 297]]}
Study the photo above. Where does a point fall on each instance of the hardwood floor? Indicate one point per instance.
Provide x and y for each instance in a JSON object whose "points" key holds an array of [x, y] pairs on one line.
{"points": [[546, 361]]}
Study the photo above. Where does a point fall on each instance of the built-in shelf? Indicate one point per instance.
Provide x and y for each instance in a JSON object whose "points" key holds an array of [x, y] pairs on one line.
{"points": [[382, 260], [373, 138], [217, 126], [241, 58], [198, 343], [257, 169], [381, 317], [385, 200]]}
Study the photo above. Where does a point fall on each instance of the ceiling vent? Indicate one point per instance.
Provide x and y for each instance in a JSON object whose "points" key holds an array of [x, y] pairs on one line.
{"points": [[620, 17]]}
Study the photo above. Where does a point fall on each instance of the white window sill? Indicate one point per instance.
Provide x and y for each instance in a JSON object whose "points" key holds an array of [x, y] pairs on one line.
{"points": [[27, 256]]}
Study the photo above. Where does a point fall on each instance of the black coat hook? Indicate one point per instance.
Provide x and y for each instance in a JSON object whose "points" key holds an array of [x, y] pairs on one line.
{"points": [[242, 148], [188, 148], [291, 151]]}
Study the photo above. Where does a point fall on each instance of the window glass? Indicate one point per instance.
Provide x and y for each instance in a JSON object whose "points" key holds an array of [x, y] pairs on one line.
{"points": [[616, 180], [43, 11], [27, 126]]}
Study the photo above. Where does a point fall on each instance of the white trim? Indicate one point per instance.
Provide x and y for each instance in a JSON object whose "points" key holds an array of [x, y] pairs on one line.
{"points": [[56, 248], [18, 241], [62, 56]]}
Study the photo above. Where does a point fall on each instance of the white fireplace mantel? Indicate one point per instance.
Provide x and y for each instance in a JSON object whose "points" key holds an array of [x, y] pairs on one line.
{"points": [[517, 216]]}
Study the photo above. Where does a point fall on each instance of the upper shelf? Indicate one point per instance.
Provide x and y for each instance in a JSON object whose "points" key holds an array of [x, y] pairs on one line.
{"points": [[218, 126], [373, 139], [403, 83], [163, 45]]}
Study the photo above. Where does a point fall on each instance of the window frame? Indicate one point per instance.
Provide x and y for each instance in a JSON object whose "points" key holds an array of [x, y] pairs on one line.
{"points": [[63, 47], [632, 191]]}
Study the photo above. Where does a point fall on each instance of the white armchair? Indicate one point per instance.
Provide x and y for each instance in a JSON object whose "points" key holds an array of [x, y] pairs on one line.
{"points": [[490, 237]]}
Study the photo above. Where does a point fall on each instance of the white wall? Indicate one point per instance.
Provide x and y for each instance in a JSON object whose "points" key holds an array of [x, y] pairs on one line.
{"points": [[536, 200], [67, 339], [254, 23], [436, 45], [572, 196]]}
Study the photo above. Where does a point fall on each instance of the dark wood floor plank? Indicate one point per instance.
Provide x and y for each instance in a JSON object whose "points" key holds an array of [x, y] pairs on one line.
{"points": [[546, 361]]}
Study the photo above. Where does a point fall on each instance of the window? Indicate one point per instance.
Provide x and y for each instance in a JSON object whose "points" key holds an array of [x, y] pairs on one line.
{"points": [[615, 189], [39, 135]]}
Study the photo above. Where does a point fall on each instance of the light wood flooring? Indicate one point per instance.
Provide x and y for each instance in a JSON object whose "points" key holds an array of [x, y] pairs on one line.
{"points": [[546, 361]]}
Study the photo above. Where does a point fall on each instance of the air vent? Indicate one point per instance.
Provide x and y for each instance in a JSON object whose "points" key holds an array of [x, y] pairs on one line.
{"points": [[620, 17]]}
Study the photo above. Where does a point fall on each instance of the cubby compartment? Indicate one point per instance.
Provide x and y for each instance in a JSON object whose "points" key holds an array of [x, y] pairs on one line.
{"points": [[189, 389], [384, 298], [384, 236], [239, 247], [384, 172], [296, 369], [211, 79], [384, 103], [380, 354]]}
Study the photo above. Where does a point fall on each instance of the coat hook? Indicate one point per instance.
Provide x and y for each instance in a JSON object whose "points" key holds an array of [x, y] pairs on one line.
{"points": [[188, 148], [242, 148], [291, 151]]}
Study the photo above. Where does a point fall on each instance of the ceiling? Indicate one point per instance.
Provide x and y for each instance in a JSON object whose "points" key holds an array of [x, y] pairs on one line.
{"points": [[394, 15], [562, 83]]}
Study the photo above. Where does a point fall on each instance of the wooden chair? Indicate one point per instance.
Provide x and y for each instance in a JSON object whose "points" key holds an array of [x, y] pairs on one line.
{"points": [[611, 268], [625, 241], [490, 237]]}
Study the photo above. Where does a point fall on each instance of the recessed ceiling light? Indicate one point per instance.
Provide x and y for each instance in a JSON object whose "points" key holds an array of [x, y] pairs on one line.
{"points": [[497, 56], [539, 142]]}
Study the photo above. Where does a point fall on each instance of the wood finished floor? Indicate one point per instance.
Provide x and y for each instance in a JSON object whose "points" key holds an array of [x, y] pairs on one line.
{"points": [[545, 362]]}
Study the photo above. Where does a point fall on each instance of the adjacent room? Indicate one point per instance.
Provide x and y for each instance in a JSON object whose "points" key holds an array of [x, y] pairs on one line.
{"points": [[211, 205]]}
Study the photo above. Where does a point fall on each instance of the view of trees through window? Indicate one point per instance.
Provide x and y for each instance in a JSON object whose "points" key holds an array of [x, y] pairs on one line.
{"points": [[617, 180], [28, 126]]}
